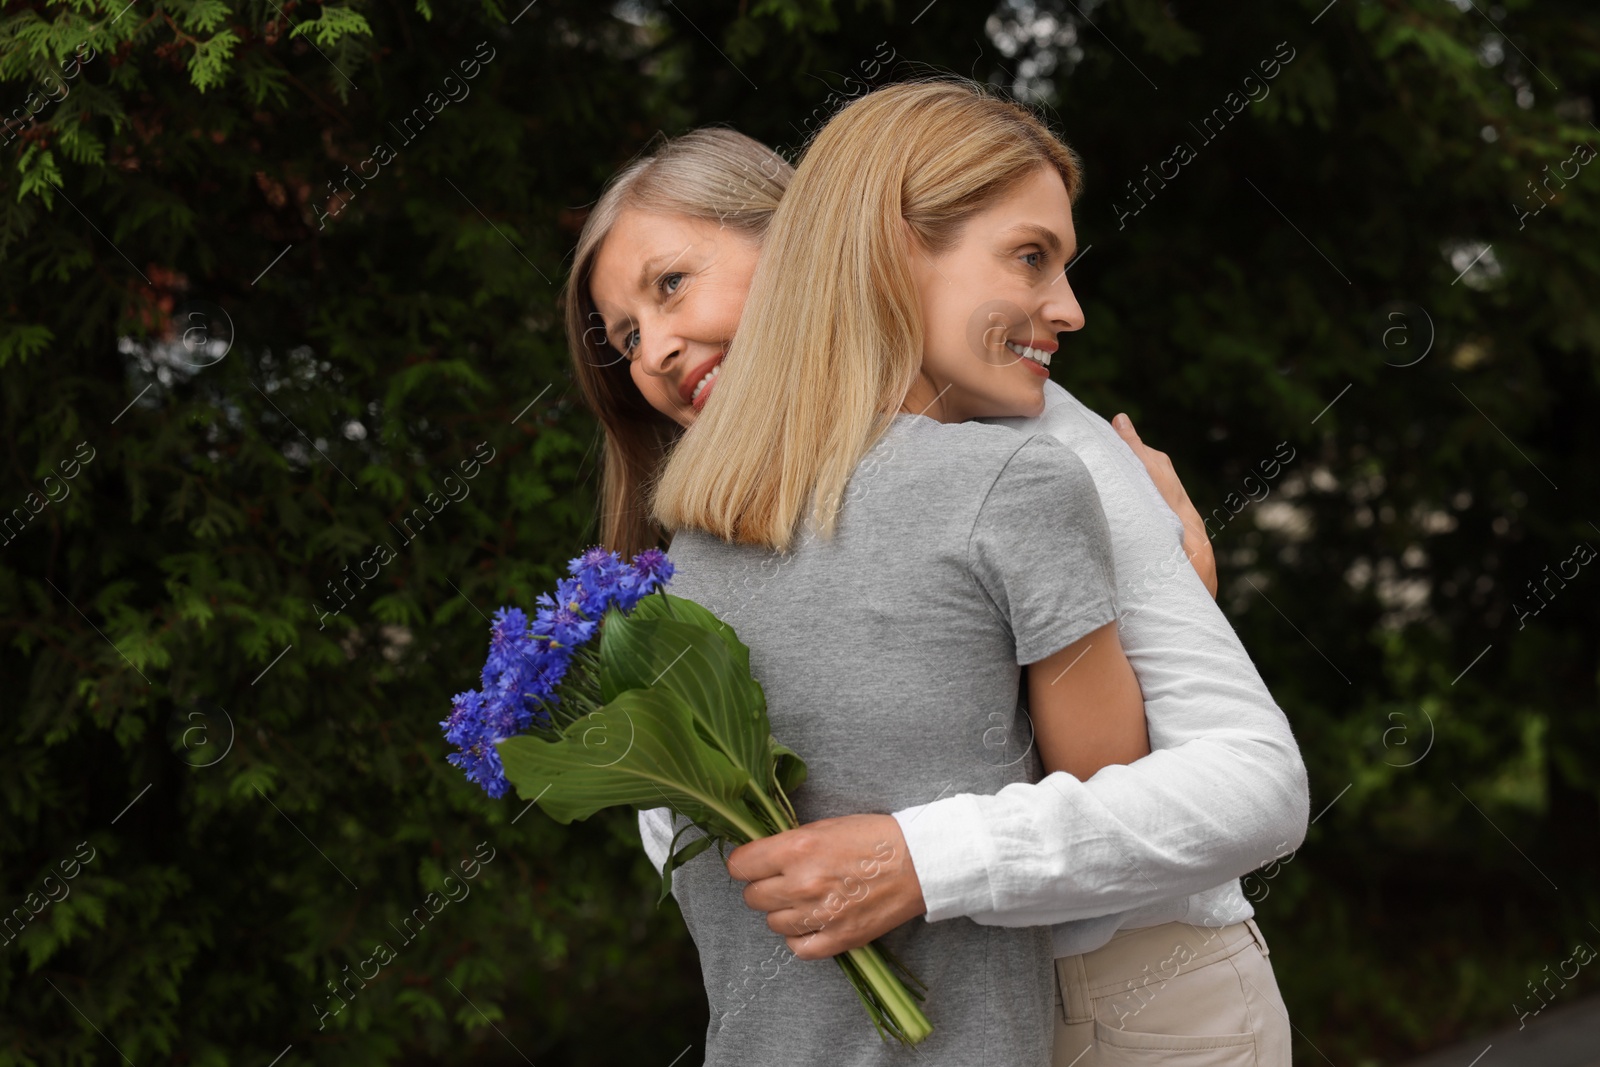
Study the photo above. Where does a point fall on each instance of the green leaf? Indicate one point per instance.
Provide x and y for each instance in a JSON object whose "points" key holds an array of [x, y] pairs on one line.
{"points": [[707, 667], [665, 605], [39, 173], [385, 480], [788, 769], [209, 64], [642, 749], [21, 340], [336, 22], [677, 857], [203, 16], [262, 80]]}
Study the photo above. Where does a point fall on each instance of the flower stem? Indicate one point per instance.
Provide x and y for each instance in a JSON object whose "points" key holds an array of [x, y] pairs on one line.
{"points": [[750, 830], [887, 994], [780, 818]]}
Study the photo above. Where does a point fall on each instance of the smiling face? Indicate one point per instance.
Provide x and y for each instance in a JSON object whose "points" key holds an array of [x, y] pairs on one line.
{"points": [[993, 303], [669, 291]]}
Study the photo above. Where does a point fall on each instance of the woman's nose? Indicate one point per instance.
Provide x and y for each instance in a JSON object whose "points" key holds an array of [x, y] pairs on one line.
{"points": [[659, 353], [1061, 309]]}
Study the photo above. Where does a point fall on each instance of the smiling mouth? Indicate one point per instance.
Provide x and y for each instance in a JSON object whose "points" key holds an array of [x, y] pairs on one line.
{"points": [[704, 382], [693, 390], [1037, 355]]}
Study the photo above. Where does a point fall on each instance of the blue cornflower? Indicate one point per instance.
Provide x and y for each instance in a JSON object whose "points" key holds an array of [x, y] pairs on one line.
{"points": [[570, 594], [569, 629], [529, 659], [594, 560], [651, 570], [603, 580], [654, 566], [473, 727], [509, 638]]}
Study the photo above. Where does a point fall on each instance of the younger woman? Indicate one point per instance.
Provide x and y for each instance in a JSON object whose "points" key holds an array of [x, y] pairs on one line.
{"points": [[913, 585]]}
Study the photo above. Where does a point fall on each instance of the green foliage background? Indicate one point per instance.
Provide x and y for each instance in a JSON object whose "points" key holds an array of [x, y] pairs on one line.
{"points": [[177, 597]]}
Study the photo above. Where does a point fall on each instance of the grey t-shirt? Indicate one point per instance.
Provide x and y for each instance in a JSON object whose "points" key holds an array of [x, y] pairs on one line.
{"points": [[889, 654]]}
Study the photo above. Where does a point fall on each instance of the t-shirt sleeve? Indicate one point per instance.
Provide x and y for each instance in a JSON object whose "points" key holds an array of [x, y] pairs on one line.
{"points": [[1041, 550]]}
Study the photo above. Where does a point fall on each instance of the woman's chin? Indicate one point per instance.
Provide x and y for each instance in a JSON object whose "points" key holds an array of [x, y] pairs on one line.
{"points": [[1030, 404], [682, 414]]}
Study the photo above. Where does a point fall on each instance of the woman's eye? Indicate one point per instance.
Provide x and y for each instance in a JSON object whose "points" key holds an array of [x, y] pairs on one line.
{"points": [[629, 341], [1034, 259], [670, 283]]}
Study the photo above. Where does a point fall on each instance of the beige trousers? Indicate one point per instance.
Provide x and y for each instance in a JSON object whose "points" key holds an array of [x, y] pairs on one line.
{"points": [[1175, 995]]}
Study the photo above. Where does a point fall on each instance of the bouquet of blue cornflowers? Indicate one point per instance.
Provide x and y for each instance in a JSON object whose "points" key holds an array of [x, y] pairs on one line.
{"points": [[660, 710]]}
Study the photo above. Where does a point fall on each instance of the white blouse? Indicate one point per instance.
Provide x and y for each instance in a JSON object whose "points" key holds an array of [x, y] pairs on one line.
{"points": [[1163, 839]]}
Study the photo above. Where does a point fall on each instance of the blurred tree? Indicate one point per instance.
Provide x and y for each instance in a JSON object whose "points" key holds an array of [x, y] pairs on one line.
{"points": [[271, 274], [289, 275]]}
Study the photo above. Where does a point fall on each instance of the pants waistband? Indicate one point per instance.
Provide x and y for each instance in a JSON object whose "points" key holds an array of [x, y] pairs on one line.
{"points": [[1151, 954]]}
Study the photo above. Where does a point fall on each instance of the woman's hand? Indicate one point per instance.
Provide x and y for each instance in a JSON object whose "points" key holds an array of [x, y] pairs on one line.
{"points": [[1196, 543], [831, 885]]}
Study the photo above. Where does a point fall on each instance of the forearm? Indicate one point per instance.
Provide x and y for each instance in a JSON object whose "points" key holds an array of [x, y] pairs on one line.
{"points": [[1086, 707], [1197, 546], [1223, 792], [1060, 849]]}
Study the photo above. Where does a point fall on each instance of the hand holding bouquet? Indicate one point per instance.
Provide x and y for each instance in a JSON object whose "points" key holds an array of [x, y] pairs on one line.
{"points": [[661, 710]]}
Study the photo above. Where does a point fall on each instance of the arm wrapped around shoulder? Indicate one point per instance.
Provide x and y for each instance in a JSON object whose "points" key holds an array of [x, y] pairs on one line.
{"points": [[1224, 792]]}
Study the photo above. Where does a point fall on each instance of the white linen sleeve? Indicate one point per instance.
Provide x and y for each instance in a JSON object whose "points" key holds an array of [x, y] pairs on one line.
{"points": [[655, 832], [1223, 791]]}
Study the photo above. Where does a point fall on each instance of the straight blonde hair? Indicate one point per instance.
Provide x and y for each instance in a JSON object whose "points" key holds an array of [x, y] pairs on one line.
{"points": [[831, 338], [713, 174]]}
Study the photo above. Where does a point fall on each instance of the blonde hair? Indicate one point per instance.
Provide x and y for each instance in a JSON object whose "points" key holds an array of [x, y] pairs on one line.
{"points": [[831, 338], [712, 174]]}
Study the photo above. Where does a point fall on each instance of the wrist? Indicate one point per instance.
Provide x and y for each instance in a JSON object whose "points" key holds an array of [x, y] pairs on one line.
{"points": [[895, 854], [946, 851]]}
